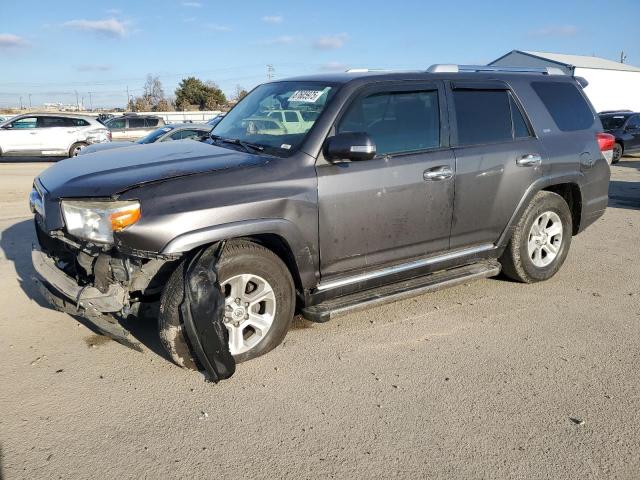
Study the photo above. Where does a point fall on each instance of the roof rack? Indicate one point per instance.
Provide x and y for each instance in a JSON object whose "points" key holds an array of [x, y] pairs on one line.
{"points": [[451, 68], [365, 70]]}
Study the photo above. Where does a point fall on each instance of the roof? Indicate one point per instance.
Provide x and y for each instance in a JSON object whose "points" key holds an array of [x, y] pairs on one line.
{"points": [[581, 61]]}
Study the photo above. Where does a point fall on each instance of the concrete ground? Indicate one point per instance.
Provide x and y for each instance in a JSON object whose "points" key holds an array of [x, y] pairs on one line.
{"points": [[492, 379]]}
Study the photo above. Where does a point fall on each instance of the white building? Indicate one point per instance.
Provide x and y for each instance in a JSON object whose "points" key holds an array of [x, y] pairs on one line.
{"points": [[612, 85]]}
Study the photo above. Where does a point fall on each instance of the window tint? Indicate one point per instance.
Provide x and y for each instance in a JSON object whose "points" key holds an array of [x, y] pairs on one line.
{"points": [[49, 122], [151, 122], [482, 116], [27, 122], [116, 123], [634, 122], [136, 123], [78, 122], [520, 128], [290, 116], [397, 122], [566, 105]]}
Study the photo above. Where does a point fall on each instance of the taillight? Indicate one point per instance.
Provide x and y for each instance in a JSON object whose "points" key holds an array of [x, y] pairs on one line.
{"points": [[109, 135], [606, 141]]}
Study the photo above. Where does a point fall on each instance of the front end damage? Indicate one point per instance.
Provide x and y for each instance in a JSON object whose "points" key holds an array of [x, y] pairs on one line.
{"points": [[109, 287]]}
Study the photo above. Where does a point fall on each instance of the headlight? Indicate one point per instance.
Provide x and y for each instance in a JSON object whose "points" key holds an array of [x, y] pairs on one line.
{"points": [[96, 221]]}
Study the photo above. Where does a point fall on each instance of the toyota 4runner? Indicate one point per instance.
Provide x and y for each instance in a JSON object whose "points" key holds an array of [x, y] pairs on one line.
{"points": [[399, 183]]}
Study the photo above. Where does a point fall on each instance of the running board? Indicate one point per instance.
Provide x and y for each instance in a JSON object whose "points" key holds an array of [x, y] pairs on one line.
{"points": [[336, 307]]}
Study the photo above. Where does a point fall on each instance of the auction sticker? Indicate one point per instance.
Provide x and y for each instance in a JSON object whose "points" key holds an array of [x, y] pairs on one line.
{"points": [[309, 96]]}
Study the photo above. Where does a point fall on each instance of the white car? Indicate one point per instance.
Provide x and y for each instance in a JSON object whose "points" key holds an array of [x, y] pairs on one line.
{"points": [[55, 134]]}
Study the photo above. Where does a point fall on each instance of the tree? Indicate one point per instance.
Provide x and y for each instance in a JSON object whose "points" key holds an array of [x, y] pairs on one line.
{"points": [[142, 104], [163, 105], [193, 92], [153, 90], [239, 94]]}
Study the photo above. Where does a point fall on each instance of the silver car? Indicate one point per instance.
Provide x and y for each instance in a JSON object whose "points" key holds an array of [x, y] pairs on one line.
{"points": [[180, 131]]}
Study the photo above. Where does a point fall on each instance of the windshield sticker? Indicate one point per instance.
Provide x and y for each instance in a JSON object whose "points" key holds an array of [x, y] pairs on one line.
{"points": [[307, 96], [285, 146]]}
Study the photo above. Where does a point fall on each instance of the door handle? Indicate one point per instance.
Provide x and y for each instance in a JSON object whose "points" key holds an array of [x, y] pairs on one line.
{"points": [[529, 160], [438, 173], [33, 133]]}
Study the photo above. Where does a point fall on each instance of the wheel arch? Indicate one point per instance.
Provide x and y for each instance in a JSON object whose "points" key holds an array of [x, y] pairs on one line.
{"points": [[278, 235], [567, 186]]}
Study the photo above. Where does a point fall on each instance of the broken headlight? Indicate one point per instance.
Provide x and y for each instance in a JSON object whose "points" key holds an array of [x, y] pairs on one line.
{"points": [[96, 221]]}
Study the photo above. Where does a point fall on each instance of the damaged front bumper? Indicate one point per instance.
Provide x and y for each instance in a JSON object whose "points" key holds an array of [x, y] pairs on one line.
{"points": [[87, 298]]}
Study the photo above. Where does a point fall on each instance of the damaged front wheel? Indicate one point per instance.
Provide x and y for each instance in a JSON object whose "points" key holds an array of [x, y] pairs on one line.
{"points": [[259, 303]]}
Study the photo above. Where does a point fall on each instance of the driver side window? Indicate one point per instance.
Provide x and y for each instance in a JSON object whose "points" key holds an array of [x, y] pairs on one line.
{"points": [[398, 122], [27, 122]]}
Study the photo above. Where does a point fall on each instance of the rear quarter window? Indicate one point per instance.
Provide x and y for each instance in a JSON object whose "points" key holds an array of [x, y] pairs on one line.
{"points": [[565, 103]]}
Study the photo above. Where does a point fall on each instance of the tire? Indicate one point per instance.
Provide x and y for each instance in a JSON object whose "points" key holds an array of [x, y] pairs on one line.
{"points": [[617, 153], [517, 261], [75, 148], [239, 257]]}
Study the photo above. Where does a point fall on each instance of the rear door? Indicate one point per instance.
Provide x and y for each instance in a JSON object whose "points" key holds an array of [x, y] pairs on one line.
{"points": [[56, 133], [633, 129], [497, 159], [118, 128], [387, 210]]}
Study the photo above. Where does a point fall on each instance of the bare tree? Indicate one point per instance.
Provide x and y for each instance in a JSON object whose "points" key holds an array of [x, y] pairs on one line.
{"points": [[153, 90]]}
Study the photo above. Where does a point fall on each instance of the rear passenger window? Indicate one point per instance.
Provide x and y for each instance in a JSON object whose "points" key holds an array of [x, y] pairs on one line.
{"points": [[136, 123], [566, 105], [520, 128], [151, 122], [482, 116], [397, 122]]}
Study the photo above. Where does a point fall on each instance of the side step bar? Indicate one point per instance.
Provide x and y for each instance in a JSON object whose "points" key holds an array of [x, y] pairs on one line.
{"points": [[336, 307]]}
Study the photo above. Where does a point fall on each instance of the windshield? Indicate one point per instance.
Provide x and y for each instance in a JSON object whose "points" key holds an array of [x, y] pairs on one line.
{"points": [[153, 136], [611, 122], [276, 116]]}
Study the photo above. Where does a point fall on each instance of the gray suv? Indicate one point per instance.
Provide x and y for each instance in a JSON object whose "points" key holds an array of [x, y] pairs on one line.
{"points": [[362, 188]]}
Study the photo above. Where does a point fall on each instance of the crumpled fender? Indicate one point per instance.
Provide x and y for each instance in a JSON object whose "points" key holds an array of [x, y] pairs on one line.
{"points": [[202, 311]]}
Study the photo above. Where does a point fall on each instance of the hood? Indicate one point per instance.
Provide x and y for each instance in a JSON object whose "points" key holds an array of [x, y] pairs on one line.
{"points": [[99, 147], [107, 173]]}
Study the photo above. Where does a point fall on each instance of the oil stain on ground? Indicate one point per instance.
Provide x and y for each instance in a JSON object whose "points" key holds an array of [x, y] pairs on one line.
{"points": [[95, 340]]}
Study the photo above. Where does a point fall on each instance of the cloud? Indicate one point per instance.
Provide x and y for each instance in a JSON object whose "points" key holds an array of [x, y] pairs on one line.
{"points": [[192, 4], [331, 42], [114, 11], [273, 18], [218, 28], [93, 68], [555, 31], [10, 41], [334, 67], [109, 27], [282, 40]]}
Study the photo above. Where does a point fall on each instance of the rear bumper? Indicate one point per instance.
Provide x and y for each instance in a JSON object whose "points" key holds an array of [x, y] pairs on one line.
{"points": [[85, 298]]}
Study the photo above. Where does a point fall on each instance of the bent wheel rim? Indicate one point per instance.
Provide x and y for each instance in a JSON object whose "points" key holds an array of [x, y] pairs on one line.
{"points": [[249, 310], [545, 239]]}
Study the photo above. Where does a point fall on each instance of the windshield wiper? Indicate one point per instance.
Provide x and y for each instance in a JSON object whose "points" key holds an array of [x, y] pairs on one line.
{"points": [[247, 146]]}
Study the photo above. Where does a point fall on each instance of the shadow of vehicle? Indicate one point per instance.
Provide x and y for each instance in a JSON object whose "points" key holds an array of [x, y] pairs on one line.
{"points": [[629, 162], [624, 194], [16, 242]]}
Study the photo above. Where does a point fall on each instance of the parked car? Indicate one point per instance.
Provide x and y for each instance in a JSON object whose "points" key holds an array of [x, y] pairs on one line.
{"points": [[215, 120], [132, 127], [624, 125], [400, 184], [179, 131], [44, 134]]}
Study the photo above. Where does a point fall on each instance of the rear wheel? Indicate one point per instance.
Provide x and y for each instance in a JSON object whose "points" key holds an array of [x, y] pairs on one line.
{"points": [[541, 240], [259, 303], [75, 149], [617, 153]]}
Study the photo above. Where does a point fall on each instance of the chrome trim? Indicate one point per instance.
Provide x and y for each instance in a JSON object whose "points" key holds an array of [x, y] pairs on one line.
{"points": [[363, 149], [403, 267]]}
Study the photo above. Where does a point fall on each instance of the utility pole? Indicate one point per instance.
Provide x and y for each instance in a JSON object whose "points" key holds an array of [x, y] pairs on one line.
{"points": [[623, 57], [90, 102], [20, 102], [127, 105], [29, 101], [270, 72], [77, 102]]}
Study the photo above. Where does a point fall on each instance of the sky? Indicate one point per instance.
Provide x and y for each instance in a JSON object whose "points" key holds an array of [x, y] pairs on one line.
{"points": [[51, 49]]}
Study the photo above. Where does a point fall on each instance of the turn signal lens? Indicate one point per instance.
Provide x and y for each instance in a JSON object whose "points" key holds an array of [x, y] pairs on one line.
{"points": [[124, 217]]}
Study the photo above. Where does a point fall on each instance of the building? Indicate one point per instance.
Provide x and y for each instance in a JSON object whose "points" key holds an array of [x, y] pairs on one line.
{"points": [[612, 85]]}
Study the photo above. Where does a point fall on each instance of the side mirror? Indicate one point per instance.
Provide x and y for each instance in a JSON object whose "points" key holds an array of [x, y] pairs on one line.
{"points": [[353, 146]]}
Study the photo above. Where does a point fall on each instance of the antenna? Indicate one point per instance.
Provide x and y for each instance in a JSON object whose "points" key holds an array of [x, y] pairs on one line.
{"points": [[270, 72]]}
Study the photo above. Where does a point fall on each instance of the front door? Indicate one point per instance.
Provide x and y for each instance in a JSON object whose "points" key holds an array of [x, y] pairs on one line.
{"points": [[633, 129], [396, 206]]}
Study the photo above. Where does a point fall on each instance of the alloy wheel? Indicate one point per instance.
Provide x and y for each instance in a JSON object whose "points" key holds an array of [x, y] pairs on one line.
{"points": [[545, 239]]}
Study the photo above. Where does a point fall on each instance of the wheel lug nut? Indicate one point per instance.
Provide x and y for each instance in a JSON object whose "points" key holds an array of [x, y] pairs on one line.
{"points": [[246, 316], [237, 301], [246, 304]]}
